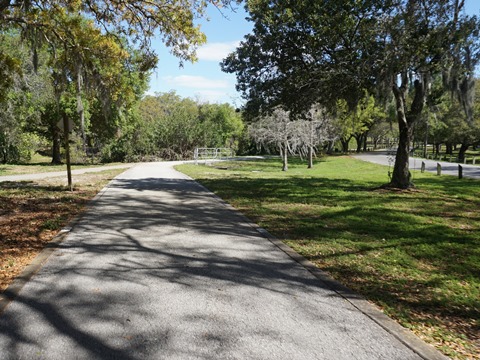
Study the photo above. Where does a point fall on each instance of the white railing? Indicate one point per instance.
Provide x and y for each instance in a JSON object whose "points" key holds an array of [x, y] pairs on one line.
{"points": [[204, 154]]}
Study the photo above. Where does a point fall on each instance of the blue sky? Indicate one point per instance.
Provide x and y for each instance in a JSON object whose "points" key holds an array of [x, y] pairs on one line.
{"points": [[204, 80]]}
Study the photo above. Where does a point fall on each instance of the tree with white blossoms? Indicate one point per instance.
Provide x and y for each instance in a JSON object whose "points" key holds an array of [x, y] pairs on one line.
{"points": [[300, 136], [315, 130], [274, 129]]}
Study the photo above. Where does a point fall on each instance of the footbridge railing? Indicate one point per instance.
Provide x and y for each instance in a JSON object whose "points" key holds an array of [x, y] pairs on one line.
{"points": [[205, 154]]}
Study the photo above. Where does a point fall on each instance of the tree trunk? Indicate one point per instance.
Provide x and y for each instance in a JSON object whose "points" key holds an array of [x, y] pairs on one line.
{"points": [[67, 150], [56, 156], [331, 147], [461, 152], [449, 148], [438, 146], [364, 141], [425, 142], [80, 107], [401, 175], [345, 141], [54, 130], [310, 157], [4, 148], [358, 138], [285, 158]]}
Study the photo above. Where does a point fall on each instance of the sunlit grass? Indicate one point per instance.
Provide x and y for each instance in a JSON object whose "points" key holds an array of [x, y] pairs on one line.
{"points": [[414, 253], [41, 167]]}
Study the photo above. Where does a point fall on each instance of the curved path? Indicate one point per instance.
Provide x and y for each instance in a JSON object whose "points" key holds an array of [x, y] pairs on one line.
{"points": [[160, 268], [448, 168]]}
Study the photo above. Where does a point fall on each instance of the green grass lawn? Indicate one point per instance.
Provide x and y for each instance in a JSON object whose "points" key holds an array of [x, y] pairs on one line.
{"points": [[414, 253]]}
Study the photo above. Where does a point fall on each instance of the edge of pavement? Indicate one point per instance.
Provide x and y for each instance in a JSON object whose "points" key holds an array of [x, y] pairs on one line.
{"points": [[405, 336], [12, 290]]}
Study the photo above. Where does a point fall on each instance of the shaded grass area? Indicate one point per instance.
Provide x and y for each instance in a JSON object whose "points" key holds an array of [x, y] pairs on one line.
{"points": [[32, 213], [414, 253]]}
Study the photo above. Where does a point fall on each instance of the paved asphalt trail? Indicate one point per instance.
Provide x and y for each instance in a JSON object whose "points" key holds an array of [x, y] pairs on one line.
{"points": [[160, 269], [448, 168]]}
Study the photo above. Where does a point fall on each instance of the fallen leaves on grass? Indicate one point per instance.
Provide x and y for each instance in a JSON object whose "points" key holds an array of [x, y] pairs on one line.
{"points": [[415, 305], [32, 213], [442, 332]]}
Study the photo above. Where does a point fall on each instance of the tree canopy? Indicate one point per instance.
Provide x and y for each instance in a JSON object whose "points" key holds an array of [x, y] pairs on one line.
{"points": [[304, 52], [95, 58], [138, 20]]}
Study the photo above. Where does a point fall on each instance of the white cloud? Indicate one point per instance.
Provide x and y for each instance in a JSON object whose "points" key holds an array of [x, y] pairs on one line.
{"points": [[216, 51], [197, 82], [211, 96]]}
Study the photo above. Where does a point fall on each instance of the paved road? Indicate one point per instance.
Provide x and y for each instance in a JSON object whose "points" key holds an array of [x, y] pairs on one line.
{"points": [[386, 158], [25, 177], [160, 269]]}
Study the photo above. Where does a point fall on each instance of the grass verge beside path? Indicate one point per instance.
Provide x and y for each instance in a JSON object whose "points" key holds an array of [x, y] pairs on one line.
{"points": [[32, 213], [415, 253], [7, 169]]}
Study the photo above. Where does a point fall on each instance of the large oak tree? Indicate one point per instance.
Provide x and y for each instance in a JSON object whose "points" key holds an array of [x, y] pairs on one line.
{"points": [[304, 52]]}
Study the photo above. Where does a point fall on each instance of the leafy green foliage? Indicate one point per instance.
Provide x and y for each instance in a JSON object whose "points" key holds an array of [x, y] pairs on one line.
{"points": [[169, 127], [357, 122], [271, 67], [99, 58], [448, 124], [113, 80], [9, 68], [22, 102], [349, 46], [221, 125], [139, 20]]}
